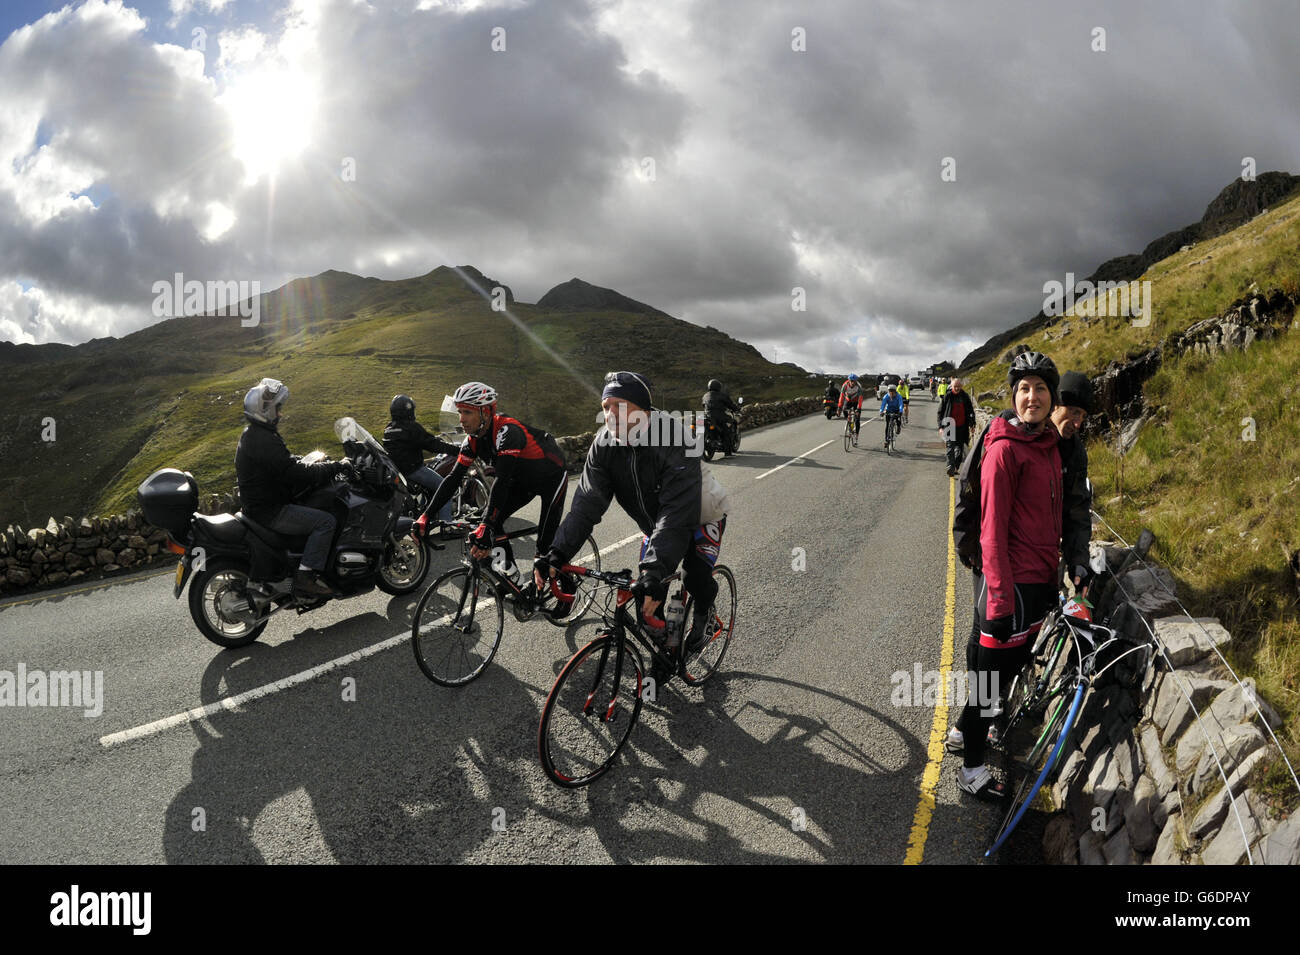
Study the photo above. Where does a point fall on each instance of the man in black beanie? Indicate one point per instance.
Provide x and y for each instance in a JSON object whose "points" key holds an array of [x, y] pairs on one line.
{"points": [[1068, 418], [641, 459]]}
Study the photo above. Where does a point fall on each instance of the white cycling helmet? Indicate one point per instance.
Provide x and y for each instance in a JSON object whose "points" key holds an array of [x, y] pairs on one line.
{"points": [[264, 399], [475, 394], [893, 386]]}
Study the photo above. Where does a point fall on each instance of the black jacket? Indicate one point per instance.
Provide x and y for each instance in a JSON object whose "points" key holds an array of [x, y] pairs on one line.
{"points": [[405, 442], [833, 393], [268, 475], [945, 410], [716, 404], [658, 487], [1076, 523]]}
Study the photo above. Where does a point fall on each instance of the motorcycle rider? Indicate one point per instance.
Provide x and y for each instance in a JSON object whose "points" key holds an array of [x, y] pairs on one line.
{"points": [[406, 440], [717, 403], [660, 488], [268, 475], [528, 462], [832, 396]]}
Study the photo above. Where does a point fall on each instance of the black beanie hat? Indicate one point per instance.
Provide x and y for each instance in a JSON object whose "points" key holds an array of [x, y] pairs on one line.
{"points": [[1076, 390]]}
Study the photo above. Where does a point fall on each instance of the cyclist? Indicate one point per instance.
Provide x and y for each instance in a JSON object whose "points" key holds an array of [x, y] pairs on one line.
{"points": [[528, 462], [934, 385], [905, 394], [943, 387], [892, 404], [1020, 536], [660, 487], [405, 440], [851, 395]]}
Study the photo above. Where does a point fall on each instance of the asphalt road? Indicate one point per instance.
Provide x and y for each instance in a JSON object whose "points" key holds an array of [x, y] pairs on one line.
{"points": [[796, 750]]}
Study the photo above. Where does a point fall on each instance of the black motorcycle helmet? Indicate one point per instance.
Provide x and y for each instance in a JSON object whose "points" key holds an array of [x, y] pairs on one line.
{"points": [[402, 408], [715, 385]]}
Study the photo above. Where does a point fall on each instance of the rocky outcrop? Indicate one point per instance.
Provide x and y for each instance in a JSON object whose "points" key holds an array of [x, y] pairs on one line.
{"points": [[1162, 759], [576, 293]]}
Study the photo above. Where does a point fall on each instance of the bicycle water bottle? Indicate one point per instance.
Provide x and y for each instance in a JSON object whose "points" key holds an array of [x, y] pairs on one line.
{"points": [[675, 612]]}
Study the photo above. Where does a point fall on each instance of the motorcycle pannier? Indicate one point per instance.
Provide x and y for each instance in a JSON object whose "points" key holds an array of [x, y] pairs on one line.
{"points": [[169, 499]]}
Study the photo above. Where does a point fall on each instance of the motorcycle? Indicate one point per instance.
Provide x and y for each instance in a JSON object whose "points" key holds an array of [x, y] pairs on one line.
{"points": [[240, 573], [724, 437], [829, 405]]}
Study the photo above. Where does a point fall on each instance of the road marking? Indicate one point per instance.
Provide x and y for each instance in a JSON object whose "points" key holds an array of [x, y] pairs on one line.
{"points": [[794, 459], [939, 727], [248, 696]]}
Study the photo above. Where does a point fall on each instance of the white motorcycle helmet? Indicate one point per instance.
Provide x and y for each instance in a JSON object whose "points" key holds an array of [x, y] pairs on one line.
{"points": [[263, 401]]}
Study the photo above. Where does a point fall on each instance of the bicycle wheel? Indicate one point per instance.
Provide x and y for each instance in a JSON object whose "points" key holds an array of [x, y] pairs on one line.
{"points": [[590, 712], [1032, 782], [588, 557], [471, 500], [457, 627], [1029, 689], [697, 667], [848, 432]]}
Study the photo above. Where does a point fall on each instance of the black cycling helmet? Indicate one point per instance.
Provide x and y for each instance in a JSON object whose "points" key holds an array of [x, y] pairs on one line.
{"points": [[715, 385], [1034, 363], [402, 408]]}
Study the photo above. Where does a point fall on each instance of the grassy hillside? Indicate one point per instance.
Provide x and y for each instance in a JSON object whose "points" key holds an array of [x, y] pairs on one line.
{"points": [[1224, 503], [171, 395]]}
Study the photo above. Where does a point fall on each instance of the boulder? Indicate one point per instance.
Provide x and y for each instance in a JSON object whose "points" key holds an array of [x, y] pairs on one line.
{"points": [[1118, 850], [1167, 852], [1090, 849], [136, 542], [55, 578], [1176, 689], [104, 556], [1155, 759], [1211, 815], [1235, 745], [1230, 846], [17, 577], [1282, 845], [1186, 641]]}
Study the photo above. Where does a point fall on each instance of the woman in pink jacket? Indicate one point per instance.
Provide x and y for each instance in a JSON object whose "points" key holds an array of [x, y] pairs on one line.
{"points": [[1020, 538]]}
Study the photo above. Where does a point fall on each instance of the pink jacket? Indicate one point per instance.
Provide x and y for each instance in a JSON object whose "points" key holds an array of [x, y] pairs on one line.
{"points": [[1020, 508]]}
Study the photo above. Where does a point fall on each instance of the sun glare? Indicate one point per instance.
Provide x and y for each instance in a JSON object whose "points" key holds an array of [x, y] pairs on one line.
{"points": [[272, 112]]}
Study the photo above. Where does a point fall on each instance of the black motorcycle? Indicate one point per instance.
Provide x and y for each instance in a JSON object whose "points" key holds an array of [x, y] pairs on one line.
{"points": [[240, 572], [829, 405], [722, 436]]}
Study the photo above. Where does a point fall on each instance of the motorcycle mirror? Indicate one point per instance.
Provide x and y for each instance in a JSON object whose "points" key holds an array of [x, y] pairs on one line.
{"points": [[740, 400]]}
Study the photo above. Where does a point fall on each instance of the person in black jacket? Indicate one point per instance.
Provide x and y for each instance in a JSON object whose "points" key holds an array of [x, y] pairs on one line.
{"points": [[406, 440], [716, 404], [1076, 525], [956, 418], [268, 475], [659, 486]]}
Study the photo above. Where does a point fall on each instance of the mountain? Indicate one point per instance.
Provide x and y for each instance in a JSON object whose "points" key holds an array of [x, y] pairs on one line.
{"points": [[1236, 203], [171, 394], [576, 293]]}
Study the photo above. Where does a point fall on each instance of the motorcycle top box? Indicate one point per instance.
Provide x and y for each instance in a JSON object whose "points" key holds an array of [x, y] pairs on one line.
{"points": [[169, 498]]}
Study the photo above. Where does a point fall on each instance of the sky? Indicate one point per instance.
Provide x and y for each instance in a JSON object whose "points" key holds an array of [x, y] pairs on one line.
{"points": [[851, 186]]}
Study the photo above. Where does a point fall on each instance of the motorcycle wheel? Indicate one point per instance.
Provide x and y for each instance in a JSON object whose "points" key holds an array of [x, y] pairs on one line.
{"points": [[403, 566], [709, 451], [213, 591]]}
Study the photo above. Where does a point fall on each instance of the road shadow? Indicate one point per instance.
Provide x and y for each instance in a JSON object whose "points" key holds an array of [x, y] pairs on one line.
{"points": [[402, 772], [808, 779]]}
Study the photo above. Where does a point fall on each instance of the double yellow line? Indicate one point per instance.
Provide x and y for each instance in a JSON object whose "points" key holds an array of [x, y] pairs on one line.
{"points": [[939, 728]]}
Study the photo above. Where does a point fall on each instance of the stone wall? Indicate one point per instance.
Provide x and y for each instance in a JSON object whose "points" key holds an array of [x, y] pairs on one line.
{"points": [[1140, 785]]}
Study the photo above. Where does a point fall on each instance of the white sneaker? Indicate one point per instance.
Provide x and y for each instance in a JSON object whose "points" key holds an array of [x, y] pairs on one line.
{"points": [[956, 742]]}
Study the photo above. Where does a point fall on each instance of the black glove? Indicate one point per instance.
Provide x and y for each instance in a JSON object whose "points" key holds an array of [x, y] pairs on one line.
{"points": [[482, 537], [544, 565], [346, 468], [649, 585], [999, 628]]}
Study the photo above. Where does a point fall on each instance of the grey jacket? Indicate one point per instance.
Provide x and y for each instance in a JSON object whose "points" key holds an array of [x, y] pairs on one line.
{"points": [[658, 487]]}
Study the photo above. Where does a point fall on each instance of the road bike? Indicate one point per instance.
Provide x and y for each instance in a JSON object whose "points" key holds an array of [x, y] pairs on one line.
{"points": [[852, 425], [892, 425], [458, 623], [597, 697], [1070, 655]]}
